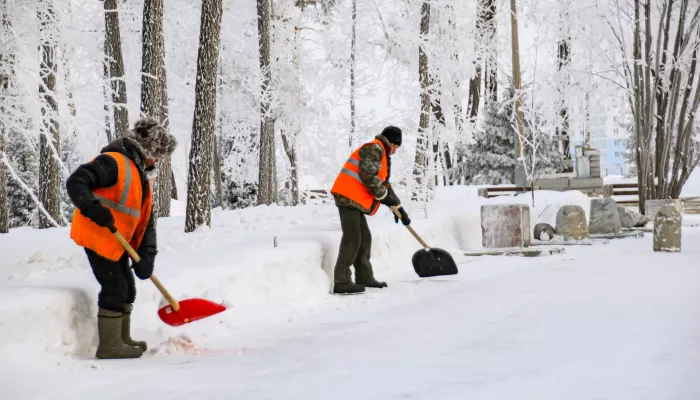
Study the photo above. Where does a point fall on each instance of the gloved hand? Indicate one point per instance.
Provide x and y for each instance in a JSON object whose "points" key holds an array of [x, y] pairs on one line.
{"points": [[391, 199], [404, 217], [98, 214], [144, 268]]}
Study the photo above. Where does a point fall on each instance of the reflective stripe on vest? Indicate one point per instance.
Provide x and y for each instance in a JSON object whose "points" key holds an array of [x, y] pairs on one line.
{"points": [[349, 183], [131, 208], [123, 196]]}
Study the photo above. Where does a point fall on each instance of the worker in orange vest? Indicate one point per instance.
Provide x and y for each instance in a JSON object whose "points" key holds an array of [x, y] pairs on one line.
{"points": [[359, 189], [113, 191]]}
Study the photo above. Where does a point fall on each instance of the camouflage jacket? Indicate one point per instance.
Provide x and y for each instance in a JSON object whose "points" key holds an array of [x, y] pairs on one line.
{"points": [[370, 164]]}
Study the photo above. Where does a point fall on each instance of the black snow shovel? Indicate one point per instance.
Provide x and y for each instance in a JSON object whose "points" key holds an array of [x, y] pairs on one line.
{"points": [[430, 261]]}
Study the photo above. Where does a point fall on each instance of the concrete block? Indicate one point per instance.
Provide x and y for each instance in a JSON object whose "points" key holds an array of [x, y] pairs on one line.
{"points": [[553, 184], [586, 183], [483, 192], [667, 229], [571, 223], [505, 225]]}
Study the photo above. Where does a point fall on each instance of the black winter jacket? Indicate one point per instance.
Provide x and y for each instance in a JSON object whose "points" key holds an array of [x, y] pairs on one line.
{"points": [[103, 172]]}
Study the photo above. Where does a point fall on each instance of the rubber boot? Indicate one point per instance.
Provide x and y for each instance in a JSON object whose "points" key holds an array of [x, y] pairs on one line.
{"points": [[371, 282], [347, 288], [109, 330], [126, 330]]}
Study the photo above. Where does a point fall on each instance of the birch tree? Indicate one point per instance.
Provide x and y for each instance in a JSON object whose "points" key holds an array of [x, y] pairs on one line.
{"points": [[49, 168], [663, 92], [6, 69], [486, 60], [267, 169], [198, 211], [113, 53], [420, 167], [563, 63]]}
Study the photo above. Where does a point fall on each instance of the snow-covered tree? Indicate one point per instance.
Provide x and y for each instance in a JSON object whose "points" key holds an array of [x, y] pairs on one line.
{"points": [[204, 126], [23, 179], [115, 59], [490, 160], [154, 93], [50, 181], [267, 180]]}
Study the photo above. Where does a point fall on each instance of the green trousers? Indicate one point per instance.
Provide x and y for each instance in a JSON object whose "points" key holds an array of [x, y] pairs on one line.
{"points": [[355, 246]]}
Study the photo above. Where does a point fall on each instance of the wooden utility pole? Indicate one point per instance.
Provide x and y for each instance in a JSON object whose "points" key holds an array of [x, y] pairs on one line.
{"points": [[516, 79]]}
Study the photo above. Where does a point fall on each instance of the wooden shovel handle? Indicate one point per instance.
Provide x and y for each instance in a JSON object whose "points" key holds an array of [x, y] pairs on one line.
{"points": [[415, 235], [135, 256]]}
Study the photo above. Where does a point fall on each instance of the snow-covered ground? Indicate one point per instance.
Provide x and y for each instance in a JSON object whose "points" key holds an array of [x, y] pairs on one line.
{"points": [[610, 321]]}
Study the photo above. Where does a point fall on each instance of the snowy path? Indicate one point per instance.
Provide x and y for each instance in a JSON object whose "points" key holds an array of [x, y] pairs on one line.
{"points": [[611, 321]]}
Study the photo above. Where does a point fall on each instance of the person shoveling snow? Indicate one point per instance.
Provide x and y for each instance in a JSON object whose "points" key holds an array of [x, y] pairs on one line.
{"points": [[359, 189], [113, 191]]}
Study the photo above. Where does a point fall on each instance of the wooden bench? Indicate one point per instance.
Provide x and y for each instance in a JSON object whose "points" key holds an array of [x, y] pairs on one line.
{"points": [[622, 189], [316, 196], [495, 191]]}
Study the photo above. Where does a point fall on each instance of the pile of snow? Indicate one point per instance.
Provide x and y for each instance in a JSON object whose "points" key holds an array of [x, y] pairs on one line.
{"points": [[48, 294]]}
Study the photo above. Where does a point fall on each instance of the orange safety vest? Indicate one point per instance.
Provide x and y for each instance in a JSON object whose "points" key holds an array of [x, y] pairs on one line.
{"points": [[348, 183], [131, 214]]}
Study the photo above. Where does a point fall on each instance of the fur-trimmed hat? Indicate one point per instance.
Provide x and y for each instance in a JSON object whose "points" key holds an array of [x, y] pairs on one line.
{"points": [[153, 139], [392, 134]]}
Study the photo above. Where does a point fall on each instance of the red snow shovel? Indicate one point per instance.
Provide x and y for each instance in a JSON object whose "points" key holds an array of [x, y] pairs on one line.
{"points": [[176, 313], [429, 261]]}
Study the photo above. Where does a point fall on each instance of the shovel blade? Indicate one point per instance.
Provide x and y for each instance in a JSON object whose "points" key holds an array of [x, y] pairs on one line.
{"points": [[433, 262], [190, 310]]}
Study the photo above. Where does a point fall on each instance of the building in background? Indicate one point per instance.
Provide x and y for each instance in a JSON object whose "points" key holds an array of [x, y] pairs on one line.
{"points": [[607, 138]]}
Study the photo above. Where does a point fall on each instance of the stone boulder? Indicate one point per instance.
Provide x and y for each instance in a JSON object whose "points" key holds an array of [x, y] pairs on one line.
{"points": [[630, 218], [604, 217], [545, 229], [667, 229], [571, 223], [505, 225]]}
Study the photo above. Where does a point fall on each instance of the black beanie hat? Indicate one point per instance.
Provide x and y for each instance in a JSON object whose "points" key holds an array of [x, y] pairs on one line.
{"points": [[392, 134]]}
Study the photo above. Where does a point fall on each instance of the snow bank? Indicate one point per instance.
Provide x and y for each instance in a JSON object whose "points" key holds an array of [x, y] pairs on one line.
{"points": [[49, 294]]}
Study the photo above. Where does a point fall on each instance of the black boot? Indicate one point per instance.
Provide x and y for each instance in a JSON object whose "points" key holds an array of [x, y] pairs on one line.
{"points": [[126, 329], [371, 282], [109, 329], [347, 288]]}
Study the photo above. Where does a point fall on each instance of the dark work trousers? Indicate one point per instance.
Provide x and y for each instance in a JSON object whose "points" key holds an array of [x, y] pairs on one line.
{"points": [[355, 246], [116, 279]]}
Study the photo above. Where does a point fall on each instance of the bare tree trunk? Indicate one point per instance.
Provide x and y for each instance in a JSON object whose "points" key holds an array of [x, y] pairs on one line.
{"points": [[166, 183], [420, 167], [4, 204], [5, 82], [516, 79], [587, 137], [217, 139], [154, 95], [106, 90], [204, 125], [474, 93], [268, 171], [290, 150], [289, 135], [113, 50], [49, 167], [217, 174], [352, 72], [490, 63], [563, 62]]}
